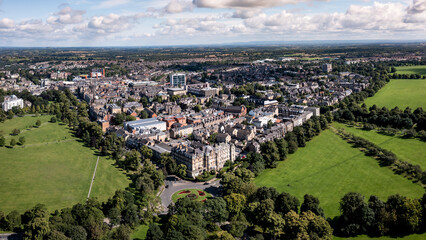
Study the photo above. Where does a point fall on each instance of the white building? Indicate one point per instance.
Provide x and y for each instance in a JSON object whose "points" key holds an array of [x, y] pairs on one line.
{"points": [[327, 68], [12, 101], [144, 125], [178, 80]]}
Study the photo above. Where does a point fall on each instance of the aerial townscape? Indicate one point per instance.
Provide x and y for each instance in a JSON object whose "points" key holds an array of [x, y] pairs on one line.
{"points": [[209, 136]]}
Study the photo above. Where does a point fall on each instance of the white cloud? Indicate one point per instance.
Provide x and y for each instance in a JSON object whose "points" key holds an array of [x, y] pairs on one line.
{"points": [[247, 3], [112, 23], [416, 12], [67, 16], [6, 23], [178, 6], [246, 13], [112, 3], [378, 17]]}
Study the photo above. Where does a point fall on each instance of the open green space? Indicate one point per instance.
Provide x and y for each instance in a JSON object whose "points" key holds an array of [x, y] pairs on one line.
{"points": [[401, 93], [409, 237], [198, 194], [409, 150], [411, 70], [328, 168], [52, 168], [140, 232]]}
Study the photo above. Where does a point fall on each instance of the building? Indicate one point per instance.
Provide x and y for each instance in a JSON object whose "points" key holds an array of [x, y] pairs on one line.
{"points": [[199, 158], [327, 68], [178, 80], [12, 101], [144, 125], [97, 73], [176, 91]]}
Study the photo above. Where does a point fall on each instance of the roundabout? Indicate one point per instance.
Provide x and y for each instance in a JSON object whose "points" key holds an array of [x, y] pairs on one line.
{"points": [[192, 194]]}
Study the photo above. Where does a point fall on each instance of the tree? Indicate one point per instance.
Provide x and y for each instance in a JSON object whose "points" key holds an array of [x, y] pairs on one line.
{"points": [[12, 142], [292, 147], [123, 232], [53, 119], [76, 233], [15, 132], [181, 170], [245, 174], [2, 141], [282, 148], [197, 108], [270, 153], [216, 210], [146, 152], [154, 232], [285, 203], [38, 123], [13, 221], [132, 160], [238, 225], [21, 140], [235, 202], [356, 216], [311, 203], [223, 235]]}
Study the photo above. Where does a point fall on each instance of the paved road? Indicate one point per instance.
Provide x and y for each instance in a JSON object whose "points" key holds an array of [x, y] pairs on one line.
{"points": [[173, 186], [93, 178]]}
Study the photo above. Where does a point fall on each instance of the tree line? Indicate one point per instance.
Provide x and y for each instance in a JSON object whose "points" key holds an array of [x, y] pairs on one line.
{"points": [[385, 157]]}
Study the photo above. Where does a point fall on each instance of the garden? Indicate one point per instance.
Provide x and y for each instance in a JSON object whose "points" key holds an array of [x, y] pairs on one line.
{"points": [[193, 194]]}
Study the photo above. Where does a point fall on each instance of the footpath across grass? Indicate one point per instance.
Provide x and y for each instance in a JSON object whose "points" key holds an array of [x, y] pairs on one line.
{"points": [[400, 93], [409, 150], [328, 168], [52, 168]]}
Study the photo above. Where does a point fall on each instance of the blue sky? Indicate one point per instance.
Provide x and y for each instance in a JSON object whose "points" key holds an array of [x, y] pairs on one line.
{"points": [[182, 22]]}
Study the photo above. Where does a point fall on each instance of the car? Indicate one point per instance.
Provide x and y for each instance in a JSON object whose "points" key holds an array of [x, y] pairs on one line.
{"points": [[206, 183], [167, 186]]}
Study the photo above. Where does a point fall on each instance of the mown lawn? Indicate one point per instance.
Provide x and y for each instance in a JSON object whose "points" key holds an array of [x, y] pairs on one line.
{"points": [[140, 232], [402, 93], [52, 168], [411, 70], [409, 150], [328, 168], [409, 237]]}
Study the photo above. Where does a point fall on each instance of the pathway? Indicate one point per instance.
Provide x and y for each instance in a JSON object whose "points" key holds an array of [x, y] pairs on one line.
{"points": [[93, 178]]}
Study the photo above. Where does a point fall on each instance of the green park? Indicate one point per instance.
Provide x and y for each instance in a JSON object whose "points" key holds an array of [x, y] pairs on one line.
{"points": [[51, 167], [405, 149], [421, 70], [400, 93], [335, 168]]}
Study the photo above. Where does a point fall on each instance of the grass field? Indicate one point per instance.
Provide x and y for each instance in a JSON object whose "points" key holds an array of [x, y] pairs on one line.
{"points": [[52, 168], [401, 93], [140, 232], [412, 70], [328, 168], [409, 237], [410, 150], [176, 196]]}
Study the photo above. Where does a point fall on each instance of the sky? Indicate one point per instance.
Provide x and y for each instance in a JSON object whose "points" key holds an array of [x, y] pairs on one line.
{"points": [[74, 23]]}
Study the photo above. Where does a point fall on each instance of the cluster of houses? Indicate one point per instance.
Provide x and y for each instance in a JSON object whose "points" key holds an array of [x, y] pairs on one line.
{"points": [[193, 116]]}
